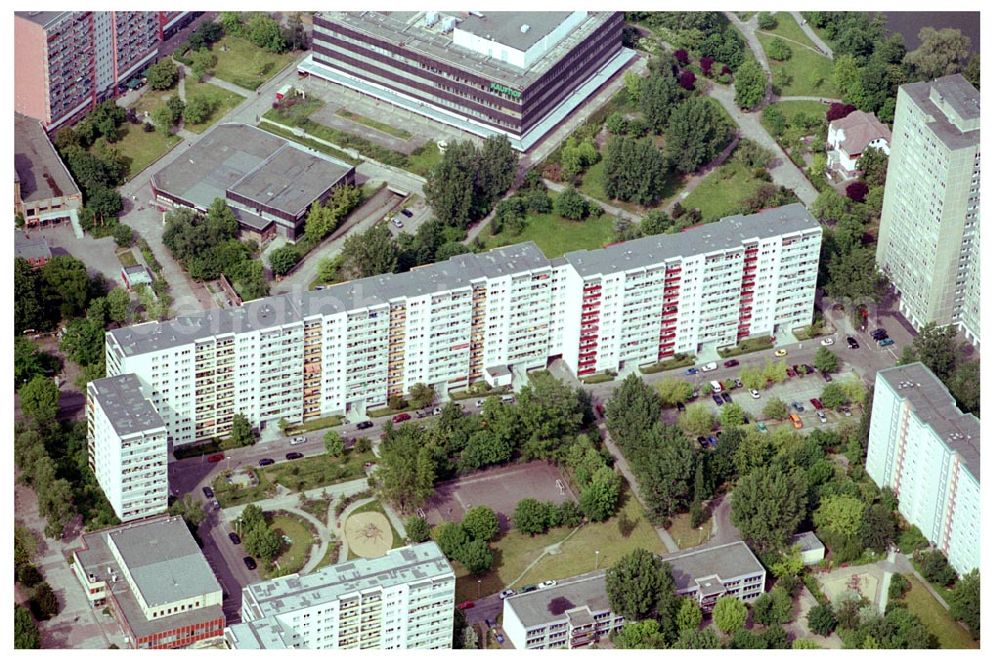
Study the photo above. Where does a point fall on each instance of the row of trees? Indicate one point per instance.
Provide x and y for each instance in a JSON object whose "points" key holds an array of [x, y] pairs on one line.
{"points": [[468, 542], [322, 220], [937, 348], [468, 181], [259, 540], [703, 33], [98, 171], [263, 31], [42, 601]]}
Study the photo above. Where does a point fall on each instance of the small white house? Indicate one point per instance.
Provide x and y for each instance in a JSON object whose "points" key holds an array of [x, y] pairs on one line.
{"points": [[810, 546], [850, 136]]}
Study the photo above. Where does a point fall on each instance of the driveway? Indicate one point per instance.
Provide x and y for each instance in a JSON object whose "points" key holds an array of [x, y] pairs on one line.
{"points": [[97, 253]]}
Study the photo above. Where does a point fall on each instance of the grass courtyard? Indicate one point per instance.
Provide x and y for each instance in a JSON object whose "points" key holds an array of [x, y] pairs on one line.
{"points": [[721, 192], [809, 72], [295, 549], [514, 552], [222, 100], [950, 634], [244, 64], [685, 535], [556, 235]]}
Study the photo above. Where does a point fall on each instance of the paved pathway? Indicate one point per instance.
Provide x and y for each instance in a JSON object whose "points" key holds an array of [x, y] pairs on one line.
{"points": [[816, 39], [622, 464], [807, 98], [608, 208], [749, 31], [795, 41]]}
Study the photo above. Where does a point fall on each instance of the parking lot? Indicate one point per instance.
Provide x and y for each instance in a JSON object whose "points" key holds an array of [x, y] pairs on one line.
{"points": [[500, 490], [97, 253]]}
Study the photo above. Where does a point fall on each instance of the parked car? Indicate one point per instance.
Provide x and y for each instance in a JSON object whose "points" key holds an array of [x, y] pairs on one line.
{"points": [[879, 333], [791, 372], [480, 402], [297, 440], [398, 223], [364, 425], [399, 418], [421, 413], [716, 386], [507, 593], [731, 363], [250, 563], [264, 462], [797, 406], [509, 400], [209, 493], [407, 212], [708, 367], [727, 397], [712, 440], [755, 393], [527, 588], [718, 399], [215, 505], [216, 457], [466, 605], [845, 410], [545, 584], [293, 455], [827, 377], [738, 382], [691, 371], [885, 342], [680, 407], [781, 352], [498, 636], [437, 411], [852, 343], [796, 421], [827, 342], [822, 417], [815, 402], [761, 426], [703, 442]]}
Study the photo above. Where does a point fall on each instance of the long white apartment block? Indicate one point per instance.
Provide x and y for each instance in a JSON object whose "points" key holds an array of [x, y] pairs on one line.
{"points": [[924, 448], [127, 447], [490, 316], [402, 600]]}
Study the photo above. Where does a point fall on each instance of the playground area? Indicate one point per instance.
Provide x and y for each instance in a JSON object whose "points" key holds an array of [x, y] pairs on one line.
{"points": [[836, 585], [368, 533]]}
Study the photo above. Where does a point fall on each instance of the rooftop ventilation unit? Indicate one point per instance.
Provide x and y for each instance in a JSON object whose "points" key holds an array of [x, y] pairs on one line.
{"points": [[525, 28], [430, 18], [479, 14]]}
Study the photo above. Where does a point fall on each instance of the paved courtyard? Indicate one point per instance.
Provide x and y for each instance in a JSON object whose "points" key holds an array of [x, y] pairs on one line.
{"points": [[97, 253], [499, 489]]}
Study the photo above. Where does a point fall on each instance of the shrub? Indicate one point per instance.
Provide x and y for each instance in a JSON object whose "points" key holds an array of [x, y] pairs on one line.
{"points": [[778, 50], [857, 191], [767, 21], [838, 110], [686, 79], [898, 586], [682, 57], [706, 63], [935, 567], [571, 205]]}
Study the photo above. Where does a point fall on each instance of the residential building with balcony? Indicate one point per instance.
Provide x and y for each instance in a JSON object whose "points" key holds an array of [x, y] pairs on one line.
{"points": [[928, 241], [154, 579], [127, 447], [68, 62], [44, 191], [403, 600], [576, 613], [927, 451], [514, 73]]}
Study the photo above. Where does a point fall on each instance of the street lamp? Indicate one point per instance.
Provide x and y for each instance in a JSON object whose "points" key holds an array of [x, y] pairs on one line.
{"points": [[479, 588], [597, 554]]}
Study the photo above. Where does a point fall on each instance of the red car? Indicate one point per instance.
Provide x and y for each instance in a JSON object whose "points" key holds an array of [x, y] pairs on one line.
{"points": [[216, 457], [816, 403], [599, 408], [399, 418], [466, 605]]}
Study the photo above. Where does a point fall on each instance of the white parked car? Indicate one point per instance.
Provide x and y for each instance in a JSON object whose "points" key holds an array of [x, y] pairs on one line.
{"points": [[437, 411], [507, 593], [480, 402], [755, 393], [827, 342], [398, 223], [298, 440], [548, 583], [822, 417], [708, 367]]}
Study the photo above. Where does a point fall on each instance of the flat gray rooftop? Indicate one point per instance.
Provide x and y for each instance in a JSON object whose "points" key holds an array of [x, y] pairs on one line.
{"points": [[726, 234], [961, 96], [37, 166], [807, 541], [290, 180], [406, 28], [933, 404], [43, 19], [505, 27], [122, 401], [408, 564], [728, 561], [29, 247]]}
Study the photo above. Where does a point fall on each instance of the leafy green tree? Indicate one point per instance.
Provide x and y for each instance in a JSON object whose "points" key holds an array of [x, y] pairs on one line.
{"points": [[663, 460], [689, 615], [44, 603], [673, 390], [481, 523], [804, 644], [476, 556], [232, 22], [40, 400], [571, 205], [265, 32], [372, 252], [333, 443], [645, 635], [729, 614], [964, 602], [697, 420], [26, 636], [936, 348], [731, 415], [406, 471], [833, 395], [284, 259], [695, 134], [531, 517], [163, 119], [821, 619], [692, 639], [417, 529], [241, 434], [826, 360], [198, 109], [66, 282], [599, 500], [549, 412], [777, 49], [634, 171], [971, 71], [766, 21], [486, 448], [934, 566], [422, 395], [162, 75], [750, 83], [768, 504], [774, 607], [964, 385], [202, 62], [251, 517], [189, 508], [262, 542], [451, 537], [449, 189], [30, 362], [775, 409], [31, 309], [940, 52], [637, 584], [658, 97]]}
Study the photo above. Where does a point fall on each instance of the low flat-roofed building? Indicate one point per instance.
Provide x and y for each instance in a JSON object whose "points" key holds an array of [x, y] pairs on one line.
{"points": [[269, 182], [133, 276], [44, 190], [402, 600], [810, 547], [576, 612], [33, 249], [155, 580]]}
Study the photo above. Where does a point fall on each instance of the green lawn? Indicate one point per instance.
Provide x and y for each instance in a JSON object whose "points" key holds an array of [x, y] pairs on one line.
{"points": [[515, 551], [309, 143], [556, 236], [293, 555], [811, 73], [789, 29], [246, 65], [721, 192], [222, 100], [423, 160], [374, 124], [813, 111], [951, 634], [686, 537], [127, 257], [317, 471], [143, 148]]}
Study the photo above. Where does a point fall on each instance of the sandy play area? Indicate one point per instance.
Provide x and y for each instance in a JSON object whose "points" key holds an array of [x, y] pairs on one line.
{"points": [[368, 534]]}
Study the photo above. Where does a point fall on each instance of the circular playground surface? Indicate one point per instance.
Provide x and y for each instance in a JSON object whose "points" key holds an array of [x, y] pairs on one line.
{"points": [[856, 585], [368, 534]]}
